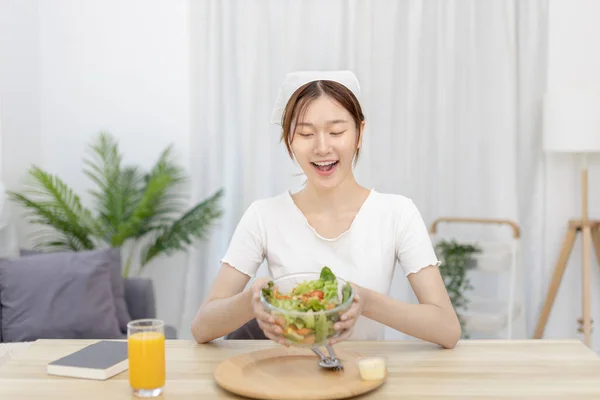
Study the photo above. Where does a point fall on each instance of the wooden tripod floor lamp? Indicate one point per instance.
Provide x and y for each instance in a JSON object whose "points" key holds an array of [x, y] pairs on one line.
{"points": [[572, 125]]}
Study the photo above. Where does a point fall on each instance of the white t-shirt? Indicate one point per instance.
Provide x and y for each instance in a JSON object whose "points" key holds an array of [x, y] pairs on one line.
{"points": [[387, 231]]}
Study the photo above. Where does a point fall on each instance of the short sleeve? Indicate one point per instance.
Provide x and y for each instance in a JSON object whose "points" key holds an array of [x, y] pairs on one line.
{"points": [[414, 249], [246, 250]]}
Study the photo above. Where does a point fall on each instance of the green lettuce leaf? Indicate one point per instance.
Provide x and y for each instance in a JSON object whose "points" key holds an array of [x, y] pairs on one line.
{"points": [[327, 275], [346, 293]]}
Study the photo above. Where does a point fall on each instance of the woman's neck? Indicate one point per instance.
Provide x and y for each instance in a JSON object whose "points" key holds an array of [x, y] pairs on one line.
{"points": [[346, 195]]}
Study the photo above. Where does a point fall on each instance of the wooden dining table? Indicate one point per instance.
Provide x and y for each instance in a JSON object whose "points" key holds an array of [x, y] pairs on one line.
{"points": [[474, 369]]}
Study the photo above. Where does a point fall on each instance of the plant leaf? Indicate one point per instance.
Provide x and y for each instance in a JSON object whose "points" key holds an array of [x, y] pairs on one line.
{"points": [[51, 202], [159, 201], [194, 224], [118, 188], [140, 220], [454, 267]]}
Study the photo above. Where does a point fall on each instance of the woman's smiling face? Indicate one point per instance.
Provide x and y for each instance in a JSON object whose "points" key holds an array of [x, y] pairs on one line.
{"points": [[324, 142]]}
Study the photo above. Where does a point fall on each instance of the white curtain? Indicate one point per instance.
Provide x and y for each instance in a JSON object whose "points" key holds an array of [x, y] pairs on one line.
{"points": [[451, 93], [9, 246]]}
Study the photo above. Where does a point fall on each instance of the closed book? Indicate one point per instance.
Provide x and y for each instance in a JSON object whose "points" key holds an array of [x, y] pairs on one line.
{"points": [[100, 361]]}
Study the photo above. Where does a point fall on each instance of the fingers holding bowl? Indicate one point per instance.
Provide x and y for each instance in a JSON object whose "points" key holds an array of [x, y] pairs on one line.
{"points": [[351, 315], [273, 332], [349, 318], [344, 334], [259, 309], [345, 327], [267, 322]]}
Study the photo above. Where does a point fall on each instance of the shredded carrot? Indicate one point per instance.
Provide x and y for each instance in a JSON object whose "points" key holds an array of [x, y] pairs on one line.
{"points": [[303, 331]]}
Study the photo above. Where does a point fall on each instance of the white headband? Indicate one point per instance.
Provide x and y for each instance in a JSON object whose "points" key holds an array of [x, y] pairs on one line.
{"points": [[294, 80]]}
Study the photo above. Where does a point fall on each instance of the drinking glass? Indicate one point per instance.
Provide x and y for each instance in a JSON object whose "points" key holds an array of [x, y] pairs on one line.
{"points": [[146, 348]]}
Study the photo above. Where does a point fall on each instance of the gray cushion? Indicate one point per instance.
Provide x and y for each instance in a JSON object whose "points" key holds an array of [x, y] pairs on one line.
{"points": [[58, 295], [170, 332], [112, 255], [139, 295], [118, 287], [29, 252]]}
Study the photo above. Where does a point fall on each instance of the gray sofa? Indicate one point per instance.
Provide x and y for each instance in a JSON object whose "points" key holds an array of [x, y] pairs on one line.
{"points": [[141, 302], [77, 295]]}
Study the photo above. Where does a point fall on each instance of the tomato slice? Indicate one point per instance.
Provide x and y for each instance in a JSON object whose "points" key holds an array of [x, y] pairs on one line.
{"points": [[317, 293]]}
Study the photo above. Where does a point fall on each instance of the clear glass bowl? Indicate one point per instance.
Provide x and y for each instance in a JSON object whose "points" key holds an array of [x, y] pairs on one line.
{"points": [[307, 328]]}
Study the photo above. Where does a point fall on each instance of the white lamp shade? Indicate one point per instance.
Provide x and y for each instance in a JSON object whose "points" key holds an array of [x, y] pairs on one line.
{"points": [[572, 121]]}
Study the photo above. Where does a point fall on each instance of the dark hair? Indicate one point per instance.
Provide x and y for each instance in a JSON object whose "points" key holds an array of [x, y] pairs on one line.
{"points": [[303, 95]]}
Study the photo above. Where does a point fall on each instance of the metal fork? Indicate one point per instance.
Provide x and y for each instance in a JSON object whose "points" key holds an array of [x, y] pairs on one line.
{"points": [[331, 362]]}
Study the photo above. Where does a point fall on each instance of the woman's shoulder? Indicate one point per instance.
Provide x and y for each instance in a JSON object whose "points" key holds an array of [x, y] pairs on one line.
{"points": [[272, 204], [400, 209], [392, 203]]}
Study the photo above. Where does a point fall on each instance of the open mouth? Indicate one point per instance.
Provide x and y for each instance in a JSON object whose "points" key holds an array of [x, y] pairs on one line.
{"points": [[325, 167]]}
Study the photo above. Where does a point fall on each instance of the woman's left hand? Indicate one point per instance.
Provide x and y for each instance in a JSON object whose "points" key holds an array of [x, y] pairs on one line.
{"points": [[347, 321]]}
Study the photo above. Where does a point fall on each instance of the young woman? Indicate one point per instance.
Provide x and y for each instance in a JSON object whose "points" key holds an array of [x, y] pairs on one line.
{"points": [[360, 234]]}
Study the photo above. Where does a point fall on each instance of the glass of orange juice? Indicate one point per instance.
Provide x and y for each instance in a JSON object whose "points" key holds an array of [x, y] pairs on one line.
{"points": [[146, 348]]}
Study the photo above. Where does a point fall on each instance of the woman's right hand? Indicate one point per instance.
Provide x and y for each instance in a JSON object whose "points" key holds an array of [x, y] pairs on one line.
{"points": [[266, 322]]}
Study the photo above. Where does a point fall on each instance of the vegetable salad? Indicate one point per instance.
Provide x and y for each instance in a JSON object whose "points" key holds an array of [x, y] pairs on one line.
{"points": [[309, 298]]}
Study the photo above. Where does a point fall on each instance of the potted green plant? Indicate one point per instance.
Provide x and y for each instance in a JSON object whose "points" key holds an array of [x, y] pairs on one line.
{"points": [[456, 260], [130, 205]]}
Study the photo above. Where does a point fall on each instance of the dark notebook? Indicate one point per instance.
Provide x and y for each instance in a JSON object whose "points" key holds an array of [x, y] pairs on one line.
{"points": [[100, 360]]}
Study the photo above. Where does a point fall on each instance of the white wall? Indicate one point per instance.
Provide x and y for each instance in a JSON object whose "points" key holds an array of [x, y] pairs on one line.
{"points": [[574, 61], [71, 69], [19, 88]]}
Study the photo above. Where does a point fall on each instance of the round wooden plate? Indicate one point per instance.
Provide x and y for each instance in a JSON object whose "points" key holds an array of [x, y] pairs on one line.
{"points": [[292, 373]]}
